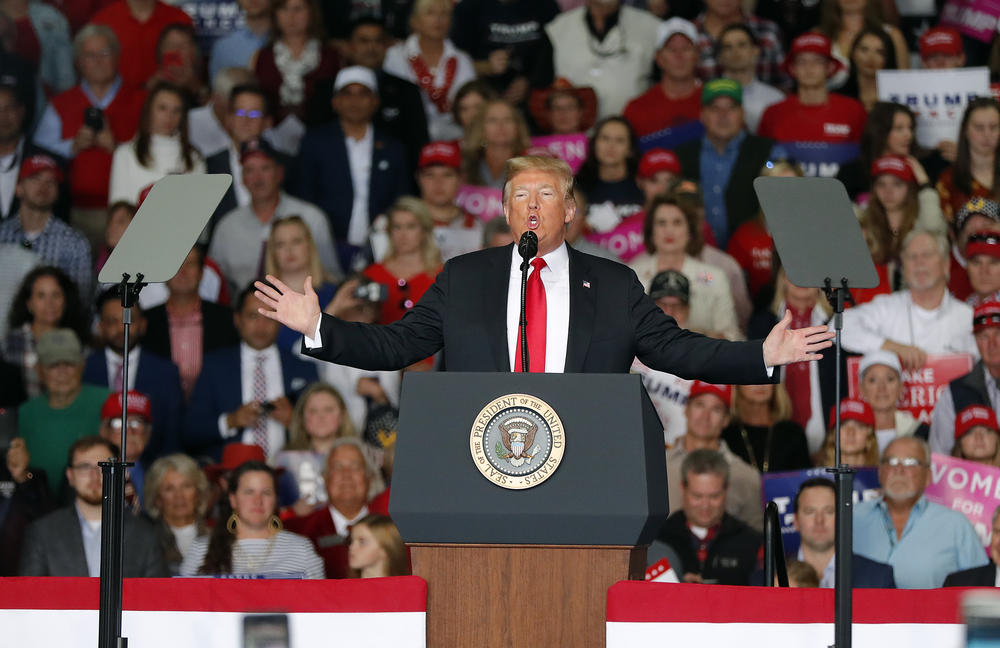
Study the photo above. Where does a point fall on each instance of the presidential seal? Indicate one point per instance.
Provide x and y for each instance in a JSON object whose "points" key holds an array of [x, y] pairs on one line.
{"points": [[517, 441]]}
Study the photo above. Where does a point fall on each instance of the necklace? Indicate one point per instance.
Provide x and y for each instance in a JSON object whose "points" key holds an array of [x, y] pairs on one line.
{"points": [[767, 448], [253, 562]]}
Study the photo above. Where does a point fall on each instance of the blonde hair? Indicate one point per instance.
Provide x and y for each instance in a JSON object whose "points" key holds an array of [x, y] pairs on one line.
{"points": [[429, 251], [871, 448], [316, 271], [421, 6], [518, 165], [780, 291], [298, 438], [473, 145], [183, 465], [388, 538], [780, 406]]}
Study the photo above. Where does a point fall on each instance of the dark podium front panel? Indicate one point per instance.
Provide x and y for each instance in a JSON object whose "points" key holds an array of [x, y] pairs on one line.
{"points": [[610, 488]]}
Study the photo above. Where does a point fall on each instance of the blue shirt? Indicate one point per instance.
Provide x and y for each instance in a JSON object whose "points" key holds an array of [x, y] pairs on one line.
{"points": [[48, 135], [936, 541], [234, 50], [91, 535], [715, 171]]}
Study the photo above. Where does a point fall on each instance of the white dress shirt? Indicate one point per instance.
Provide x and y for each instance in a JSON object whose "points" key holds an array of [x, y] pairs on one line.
{"points": [[275, 389], [555, 278], [340, 522], [359, 157], [236, 170], [113, 360]]}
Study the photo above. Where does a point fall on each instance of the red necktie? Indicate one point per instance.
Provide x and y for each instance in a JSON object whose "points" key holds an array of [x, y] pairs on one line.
{"points": [[534, 311]]}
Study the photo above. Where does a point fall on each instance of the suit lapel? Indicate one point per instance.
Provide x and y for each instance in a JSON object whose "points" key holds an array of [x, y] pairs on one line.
{"points": [[72, 544], [582, 307], [494, 293]]}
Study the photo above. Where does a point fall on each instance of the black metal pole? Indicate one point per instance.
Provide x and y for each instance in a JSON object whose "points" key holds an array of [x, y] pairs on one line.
{"points": [[113, 501]]}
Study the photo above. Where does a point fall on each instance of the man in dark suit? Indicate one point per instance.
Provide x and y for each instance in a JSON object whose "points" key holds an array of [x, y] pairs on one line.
{"points": [[987, 575], [725, 160], [598, 321], [350, 168], [815, 508], [245, 392], [67, 542], [153, 375], [186, 313]]}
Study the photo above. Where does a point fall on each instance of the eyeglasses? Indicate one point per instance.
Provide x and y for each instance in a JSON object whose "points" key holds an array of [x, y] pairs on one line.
{"points": [[99, 54], [905, 462], [85, 468], [134, 425], [249, 114]]}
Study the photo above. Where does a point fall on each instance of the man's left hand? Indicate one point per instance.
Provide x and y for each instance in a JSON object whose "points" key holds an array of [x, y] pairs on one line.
{"points": [[784, 346]]}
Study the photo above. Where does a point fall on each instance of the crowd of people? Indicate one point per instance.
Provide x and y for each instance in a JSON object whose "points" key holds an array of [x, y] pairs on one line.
{"points": [[354, 133]]}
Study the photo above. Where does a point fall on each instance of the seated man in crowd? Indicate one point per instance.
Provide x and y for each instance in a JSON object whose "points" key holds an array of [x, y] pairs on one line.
{"points": [[350, 168], [187, 327], [206, 124], [767, 40], [439, 174], [67, 542], [36, 227], [815, 508], [712, 545], [978, 387], [986, 575], [68, 409], [923, 319], [676, 99], [922, 541], [238, 244], [153, 375], [941, 49], [138, 433], [348, 478], [707, 413], [245, 393], [738, 52], [982, 255], [979, 215]]}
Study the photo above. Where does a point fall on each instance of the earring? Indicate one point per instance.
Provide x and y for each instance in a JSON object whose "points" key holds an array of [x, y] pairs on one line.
{"points": [[274, 522], [231, 523]]}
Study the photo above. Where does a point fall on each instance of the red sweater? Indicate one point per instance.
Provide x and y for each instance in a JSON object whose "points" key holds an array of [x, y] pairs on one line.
{"points": [[840, 119], [138, 39]]}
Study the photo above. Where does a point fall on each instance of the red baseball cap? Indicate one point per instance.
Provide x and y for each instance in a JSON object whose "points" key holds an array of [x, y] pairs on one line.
{"points": [[656, 160], [38, 163], [972, 416], [985, 242], [811, 43], [940, 40], [985, 315], [854, 409], [443, 153], [725, 392], [893, 165], [138, 403], [235, 455]]}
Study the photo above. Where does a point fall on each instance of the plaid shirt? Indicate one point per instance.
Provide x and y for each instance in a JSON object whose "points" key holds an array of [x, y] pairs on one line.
{"points": [[771, 51], [59, 245]]}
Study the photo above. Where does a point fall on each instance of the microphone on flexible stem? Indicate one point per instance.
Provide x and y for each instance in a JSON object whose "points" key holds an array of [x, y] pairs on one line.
{"points": [[527, 247]]}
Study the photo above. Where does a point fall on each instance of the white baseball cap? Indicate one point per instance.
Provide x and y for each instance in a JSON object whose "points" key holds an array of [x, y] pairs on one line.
{"points": [[880, 357], [673, 26], [355, 74]]}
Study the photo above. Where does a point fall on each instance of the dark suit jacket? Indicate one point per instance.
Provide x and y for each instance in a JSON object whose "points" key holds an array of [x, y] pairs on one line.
{"points": [[985, 576], [159, 379], [741, 199], [612, 320], [866, 572], [217, 329], [219, 389], [219, 163], [53, 546], [323, 175]]}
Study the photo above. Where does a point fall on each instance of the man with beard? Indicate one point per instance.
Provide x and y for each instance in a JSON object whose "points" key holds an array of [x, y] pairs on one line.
{"points": [[815, 508], [921, 540], [67, 542]]}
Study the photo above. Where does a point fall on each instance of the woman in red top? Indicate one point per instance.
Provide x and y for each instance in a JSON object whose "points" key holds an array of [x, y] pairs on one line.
{"points": [[975, 173], [413, 259], [296, 61]]}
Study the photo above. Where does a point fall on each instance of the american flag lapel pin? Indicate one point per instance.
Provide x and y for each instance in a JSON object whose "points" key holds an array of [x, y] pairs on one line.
{"points": [[586, 284]]}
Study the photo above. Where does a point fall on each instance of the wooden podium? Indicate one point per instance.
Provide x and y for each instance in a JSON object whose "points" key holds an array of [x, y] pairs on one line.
{"points": [[510, 568]]}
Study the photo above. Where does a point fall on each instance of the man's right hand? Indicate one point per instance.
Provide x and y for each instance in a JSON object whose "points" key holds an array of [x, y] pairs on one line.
{"points": [[910, 357], [298, 311], [245, 416]]}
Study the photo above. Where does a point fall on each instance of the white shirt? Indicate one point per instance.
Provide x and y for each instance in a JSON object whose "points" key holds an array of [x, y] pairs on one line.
{"points": [[9, 168], [341, 523], [275, 389], [205, 131], [359, 157], [555, 278], [757, 97], [236, 170], [113, 360]]}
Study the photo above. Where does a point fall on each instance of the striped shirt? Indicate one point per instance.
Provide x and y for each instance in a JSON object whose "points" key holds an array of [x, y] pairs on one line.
{"points": [[290, 555]]}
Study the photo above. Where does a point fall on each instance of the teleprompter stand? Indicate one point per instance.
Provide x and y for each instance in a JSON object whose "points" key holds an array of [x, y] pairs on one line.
{"points": [[821, 245], [153, 247]]}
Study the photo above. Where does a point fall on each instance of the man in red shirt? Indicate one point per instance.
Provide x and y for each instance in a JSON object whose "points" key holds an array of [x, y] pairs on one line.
{"points": [[676, 99], [137, 24], [813, 114]]}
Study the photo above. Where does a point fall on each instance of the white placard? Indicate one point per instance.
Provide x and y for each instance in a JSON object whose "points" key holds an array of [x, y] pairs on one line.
{"points": [[938, 97]]}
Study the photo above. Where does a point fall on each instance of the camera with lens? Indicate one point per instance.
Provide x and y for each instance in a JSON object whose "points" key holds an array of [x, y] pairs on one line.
{"points": [[371, 291]]}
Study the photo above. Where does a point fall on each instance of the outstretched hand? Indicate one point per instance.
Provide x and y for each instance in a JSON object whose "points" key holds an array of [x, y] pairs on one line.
{"points": [[784, 346], [298, 311]]}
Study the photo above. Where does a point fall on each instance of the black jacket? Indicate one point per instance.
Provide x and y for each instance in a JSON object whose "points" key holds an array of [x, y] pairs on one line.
{"points": [[985, 576], [732, 555]]}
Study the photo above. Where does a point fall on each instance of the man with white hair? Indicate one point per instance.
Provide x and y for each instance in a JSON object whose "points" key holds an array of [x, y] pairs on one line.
{"points": [[921, 540], [912, 323]]}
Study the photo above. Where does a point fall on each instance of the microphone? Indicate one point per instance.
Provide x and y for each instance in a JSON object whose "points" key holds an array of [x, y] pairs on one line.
{"points": [[527, 247]]}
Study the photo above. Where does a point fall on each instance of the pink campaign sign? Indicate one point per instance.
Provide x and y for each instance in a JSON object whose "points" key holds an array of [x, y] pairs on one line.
{"points": [[921, 387], [625, 240], [572, 149], [970, 488], [485, 203], [974, 18]]}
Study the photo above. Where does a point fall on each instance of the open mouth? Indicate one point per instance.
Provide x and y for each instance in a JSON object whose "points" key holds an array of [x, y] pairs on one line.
{"points": [[533, 221]]}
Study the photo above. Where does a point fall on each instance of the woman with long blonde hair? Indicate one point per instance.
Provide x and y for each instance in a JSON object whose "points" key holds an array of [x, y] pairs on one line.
{"points": [[377, 549], [858, 442], [497, 133]]}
